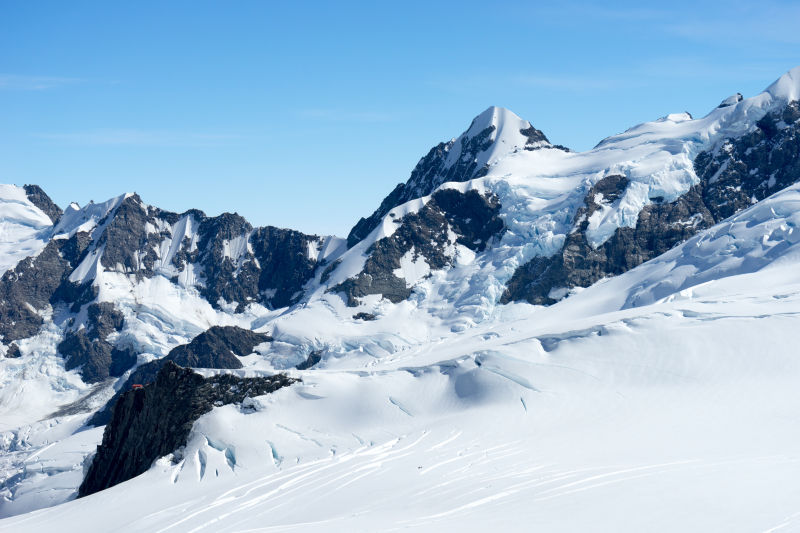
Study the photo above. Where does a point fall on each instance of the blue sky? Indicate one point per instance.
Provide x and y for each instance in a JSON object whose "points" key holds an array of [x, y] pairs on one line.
{"points": [[306, 114]]}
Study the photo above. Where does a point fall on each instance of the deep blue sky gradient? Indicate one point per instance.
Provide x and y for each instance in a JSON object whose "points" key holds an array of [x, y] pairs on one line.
{"points": [[306, 114]]}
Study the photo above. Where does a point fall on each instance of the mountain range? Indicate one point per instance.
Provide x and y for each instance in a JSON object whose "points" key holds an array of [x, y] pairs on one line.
{"points": [[519, 333]]}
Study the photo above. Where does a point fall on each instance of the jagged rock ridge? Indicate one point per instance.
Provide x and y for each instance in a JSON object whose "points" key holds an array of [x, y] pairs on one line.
{"points": [[218, 347], [154, 421], [225, 258], [40, 199], [426, 235], [461, 159]]}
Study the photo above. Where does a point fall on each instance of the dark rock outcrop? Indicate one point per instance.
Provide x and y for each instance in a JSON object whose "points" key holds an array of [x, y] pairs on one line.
{"points": [[40, 199], [13, 351], [272, 267], [312, 359], [127, 241], [473, 218], [154, 421], [87, 348], [660, 227], [738, 173], [750, 168], [225, 279], [217, 347], [326, 274], [285, 263], [27, 289]]}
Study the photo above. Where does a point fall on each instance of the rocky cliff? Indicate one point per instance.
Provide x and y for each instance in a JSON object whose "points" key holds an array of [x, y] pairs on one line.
{"points": [[155, 420]]}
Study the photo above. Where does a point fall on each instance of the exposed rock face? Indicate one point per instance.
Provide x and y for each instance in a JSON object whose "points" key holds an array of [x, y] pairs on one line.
{"points": [[734, 176], [242, 265], [236, 263], [239, 264], [38, 198], [285, 263], [312, 359], [439, 166], [88, 348], [233, 279], [127, 242], [427, 234], [27, 290], [216, 347], [272, 269], [13, 351], [326, 274], [153, 421], [659, 228], [750, 168]]}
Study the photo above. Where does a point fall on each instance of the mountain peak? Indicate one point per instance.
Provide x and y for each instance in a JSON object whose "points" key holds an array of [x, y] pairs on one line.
{"points": [[508, 129], [497, 117], [492, 135], [498, 132], [787, 87]]}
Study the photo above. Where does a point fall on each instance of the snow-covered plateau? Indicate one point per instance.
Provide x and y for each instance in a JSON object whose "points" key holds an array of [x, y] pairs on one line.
{"points": [[520, 337]]}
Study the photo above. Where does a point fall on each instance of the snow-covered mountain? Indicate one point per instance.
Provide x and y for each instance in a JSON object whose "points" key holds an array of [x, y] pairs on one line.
{"points": [[492, 136], [574, 340]]}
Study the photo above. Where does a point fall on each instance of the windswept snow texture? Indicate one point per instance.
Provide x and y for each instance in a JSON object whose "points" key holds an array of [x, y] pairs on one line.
{"points": [[662, 399]]}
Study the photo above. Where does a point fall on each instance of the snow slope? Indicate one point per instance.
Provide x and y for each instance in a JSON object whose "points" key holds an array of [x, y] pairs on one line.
{"points": [[601, 412], [24, 228], [646, 419]]}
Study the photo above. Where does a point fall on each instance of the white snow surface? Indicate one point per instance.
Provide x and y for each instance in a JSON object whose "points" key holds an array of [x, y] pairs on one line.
{"points": [[588, 415], [506, 137], [664, 399], [76, 219], [24, 228]]}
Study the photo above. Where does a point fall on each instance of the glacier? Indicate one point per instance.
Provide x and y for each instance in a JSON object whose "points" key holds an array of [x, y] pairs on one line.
{"points": [[660, 399]]}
